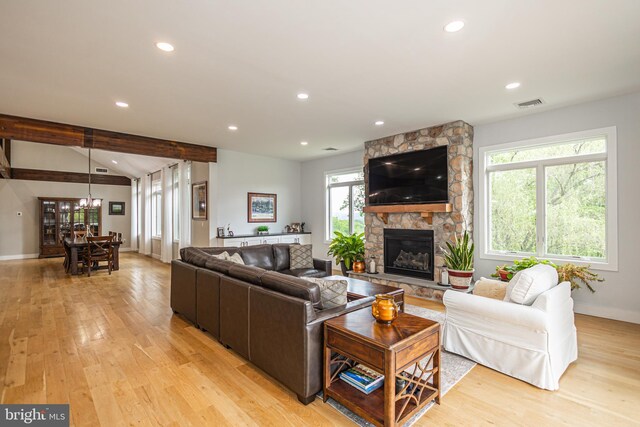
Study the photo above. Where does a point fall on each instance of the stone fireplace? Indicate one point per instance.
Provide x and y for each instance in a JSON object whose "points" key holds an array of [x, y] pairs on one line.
{"points": [[409, 252], [458, 136]]}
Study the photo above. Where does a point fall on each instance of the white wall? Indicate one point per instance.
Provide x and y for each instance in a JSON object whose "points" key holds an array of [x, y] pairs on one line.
{"points": [[237, 174], [619, 296], [313, 194], [19, 234]]}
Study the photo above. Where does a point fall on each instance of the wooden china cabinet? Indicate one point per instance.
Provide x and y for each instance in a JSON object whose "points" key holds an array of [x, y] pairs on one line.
{"points": [[59, 218]]}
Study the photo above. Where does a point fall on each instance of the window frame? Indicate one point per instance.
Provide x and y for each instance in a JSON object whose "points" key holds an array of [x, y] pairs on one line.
{"points": [[610, 263], [328, 187]]}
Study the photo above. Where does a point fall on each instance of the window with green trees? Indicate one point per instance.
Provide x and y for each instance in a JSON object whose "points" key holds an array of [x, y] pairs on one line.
{"points": [[553, 198], [345, 202]]}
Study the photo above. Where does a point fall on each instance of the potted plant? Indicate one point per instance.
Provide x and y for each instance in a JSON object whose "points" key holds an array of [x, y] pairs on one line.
{"points": [[566, 272], [346, 248], [459, 261], [263, 229]]}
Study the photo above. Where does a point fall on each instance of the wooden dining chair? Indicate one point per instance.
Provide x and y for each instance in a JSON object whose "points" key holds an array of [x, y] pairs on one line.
{"points": [[99, 249], [79, 234]]}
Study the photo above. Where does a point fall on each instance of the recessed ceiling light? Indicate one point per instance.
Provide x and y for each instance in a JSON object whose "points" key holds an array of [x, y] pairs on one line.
{"points": [[114, 162], [232, 127], [122, 104], [303, 96], [513, 85], [167, 47], [388, 163], [454, 26], [379, 123], [304, 143], [416, 169]]}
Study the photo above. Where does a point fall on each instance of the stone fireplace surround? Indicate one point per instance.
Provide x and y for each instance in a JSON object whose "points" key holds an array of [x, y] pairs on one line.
{"points": [[458, 136]]}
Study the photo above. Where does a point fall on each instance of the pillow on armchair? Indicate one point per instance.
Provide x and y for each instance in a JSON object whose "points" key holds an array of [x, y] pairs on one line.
{"points": [[527, 284]]}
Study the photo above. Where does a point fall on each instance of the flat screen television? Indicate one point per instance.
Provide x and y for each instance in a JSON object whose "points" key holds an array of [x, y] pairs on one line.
{"points": [[416, 177]]}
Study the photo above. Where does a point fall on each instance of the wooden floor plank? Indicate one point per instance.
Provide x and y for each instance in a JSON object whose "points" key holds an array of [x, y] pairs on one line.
{"points": [[112, 348]]}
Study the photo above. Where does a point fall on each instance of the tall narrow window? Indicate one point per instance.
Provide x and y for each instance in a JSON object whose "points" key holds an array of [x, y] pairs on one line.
{"points": [[554, 198], [176, 203], [156, 208], [345, 202]]}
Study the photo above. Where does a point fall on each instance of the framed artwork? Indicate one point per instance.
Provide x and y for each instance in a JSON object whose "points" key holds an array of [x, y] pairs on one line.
{"points": [[262, 207], [199, 201], [116, 208]]}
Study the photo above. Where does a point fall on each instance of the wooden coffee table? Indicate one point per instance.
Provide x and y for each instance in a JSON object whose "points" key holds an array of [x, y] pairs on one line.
{"points": [[391, 350], [358, 289]]}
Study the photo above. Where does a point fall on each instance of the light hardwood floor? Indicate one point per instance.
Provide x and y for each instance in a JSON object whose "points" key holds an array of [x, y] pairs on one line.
{"points": [[111, 347]]}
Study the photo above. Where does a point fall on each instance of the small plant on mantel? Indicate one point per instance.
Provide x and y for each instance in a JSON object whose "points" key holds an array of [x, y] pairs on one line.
{"points": [[263, 229], [459, 261]]}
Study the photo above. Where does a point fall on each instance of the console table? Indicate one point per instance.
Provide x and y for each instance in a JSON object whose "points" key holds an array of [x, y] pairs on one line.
{"points": [[407, 351]]}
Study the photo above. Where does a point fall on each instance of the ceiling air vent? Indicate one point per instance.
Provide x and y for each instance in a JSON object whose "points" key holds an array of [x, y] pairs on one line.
{"points": [[102, 170], [529, 104], [330, 149]]}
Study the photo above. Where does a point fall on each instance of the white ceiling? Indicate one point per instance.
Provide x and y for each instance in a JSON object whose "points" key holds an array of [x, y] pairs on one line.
{"points": [[242, 62]]}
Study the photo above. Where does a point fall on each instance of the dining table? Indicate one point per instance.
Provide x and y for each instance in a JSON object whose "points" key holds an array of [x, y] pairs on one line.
{"points": [[74, 246]]}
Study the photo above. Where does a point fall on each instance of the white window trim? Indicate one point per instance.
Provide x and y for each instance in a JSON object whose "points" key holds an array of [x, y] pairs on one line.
{"points": [[611, 262], [327, 197], [154, 210]]}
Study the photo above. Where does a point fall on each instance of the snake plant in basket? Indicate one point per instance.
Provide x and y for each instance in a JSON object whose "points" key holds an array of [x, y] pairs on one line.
{"points": [[458, 258]]}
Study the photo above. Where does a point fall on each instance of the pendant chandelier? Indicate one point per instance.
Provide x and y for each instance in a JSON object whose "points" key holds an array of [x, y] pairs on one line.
{"points": [[90, 202]]}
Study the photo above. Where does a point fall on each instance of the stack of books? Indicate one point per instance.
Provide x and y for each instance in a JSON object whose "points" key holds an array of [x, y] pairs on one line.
{"points": [[362, 378]]}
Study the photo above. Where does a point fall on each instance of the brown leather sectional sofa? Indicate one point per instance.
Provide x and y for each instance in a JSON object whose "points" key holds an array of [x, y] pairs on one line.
{"points": [[262, 310]]}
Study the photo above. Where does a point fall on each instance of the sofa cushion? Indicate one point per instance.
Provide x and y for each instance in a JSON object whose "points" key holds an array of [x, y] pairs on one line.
{"points": [[332, 292], [305, 272], [301, 256], [527, 284], [221, 266], [258, 256], [294, 287], [281, 256], [195, 256], [247, 273]]}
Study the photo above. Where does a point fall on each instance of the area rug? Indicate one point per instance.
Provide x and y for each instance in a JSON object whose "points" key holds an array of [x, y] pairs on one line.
{"points": [[453, 369]]}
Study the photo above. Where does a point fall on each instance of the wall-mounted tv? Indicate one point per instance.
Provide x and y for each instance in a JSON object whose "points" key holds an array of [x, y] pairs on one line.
{"points": [[416, 177]]}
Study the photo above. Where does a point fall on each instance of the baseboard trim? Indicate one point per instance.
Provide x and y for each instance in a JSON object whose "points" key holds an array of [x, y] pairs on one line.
{"points": [[608, 312], [155, 256], [18, 256]]}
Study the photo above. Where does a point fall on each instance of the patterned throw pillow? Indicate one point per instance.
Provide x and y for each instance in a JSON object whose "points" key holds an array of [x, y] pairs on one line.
{"points": [[235, 258], [332, 292], [301, 256], [224, 256]]}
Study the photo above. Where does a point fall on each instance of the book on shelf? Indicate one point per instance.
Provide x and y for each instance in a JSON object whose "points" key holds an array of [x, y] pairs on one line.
{"points": [[362, 378]]}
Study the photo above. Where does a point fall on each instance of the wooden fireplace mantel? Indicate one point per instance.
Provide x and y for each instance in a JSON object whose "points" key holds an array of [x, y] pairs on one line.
{"points": [[425, 211]]}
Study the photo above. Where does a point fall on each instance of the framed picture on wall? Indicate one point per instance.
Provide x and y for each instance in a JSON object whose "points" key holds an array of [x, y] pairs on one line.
{"points": [[199, 201], [116, 208], [262, 207]]}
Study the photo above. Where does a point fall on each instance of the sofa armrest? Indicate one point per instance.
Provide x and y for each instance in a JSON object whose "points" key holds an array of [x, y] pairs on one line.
{"points": [[324, 315], [486, 308], [323, 265], [556, 298]]}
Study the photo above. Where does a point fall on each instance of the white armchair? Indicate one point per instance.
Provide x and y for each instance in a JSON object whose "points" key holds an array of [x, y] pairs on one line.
{"points": [[533, 343]]}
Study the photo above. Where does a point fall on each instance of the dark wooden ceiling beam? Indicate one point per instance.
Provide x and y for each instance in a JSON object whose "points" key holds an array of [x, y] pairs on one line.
{"points": [[33, 130], [75, 177], [5, 159]]}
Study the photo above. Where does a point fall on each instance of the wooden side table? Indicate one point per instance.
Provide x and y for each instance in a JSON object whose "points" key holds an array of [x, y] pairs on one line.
{"points": [[396, 351]]}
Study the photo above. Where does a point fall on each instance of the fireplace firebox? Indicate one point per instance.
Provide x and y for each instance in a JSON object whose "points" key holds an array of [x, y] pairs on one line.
{"points": [[409, 252]]}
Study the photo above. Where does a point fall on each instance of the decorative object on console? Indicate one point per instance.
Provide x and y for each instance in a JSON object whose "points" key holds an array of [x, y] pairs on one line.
{"points": [[444, 276], [220, 231], [346, 248], [358, 266], [300, 256], [459, 261], [116, 208], [262, 207], [295, 227], [262, 229], [384, 309], [199, 201]]}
